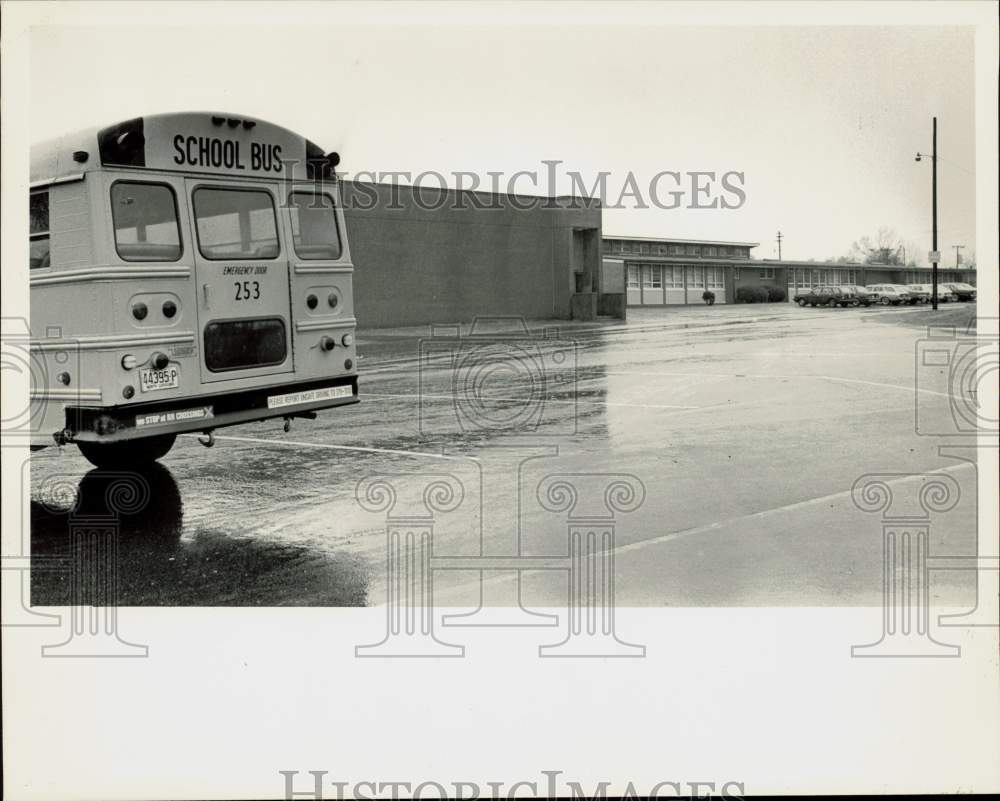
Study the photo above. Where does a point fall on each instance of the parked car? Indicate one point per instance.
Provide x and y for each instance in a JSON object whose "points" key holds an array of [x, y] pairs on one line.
{"points": [[865, 298], [964, 292], [945, 295], [919, 293], [889, 294], [827, 296]]}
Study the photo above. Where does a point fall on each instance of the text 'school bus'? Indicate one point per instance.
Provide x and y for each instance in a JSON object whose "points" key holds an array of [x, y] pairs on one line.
{"points": [[188, 271]]}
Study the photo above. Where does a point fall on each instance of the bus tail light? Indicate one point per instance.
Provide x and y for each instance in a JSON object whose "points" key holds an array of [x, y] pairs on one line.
{"points": [[348, 340], [129, 361], [159, 360], [327, 343]]}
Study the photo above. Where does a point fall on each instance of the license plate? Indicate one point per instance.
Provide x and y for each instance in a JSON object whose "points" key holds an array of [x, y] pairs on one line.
{"points": [[309, 396], [151, 380]]}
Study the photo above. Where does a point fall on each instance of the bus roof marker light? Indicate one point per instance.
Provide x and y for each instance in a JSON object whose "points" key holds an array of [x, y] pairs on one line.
{"points": [[333, 157], [80, 156], [232, 122], [218, 120], [249, 124]]}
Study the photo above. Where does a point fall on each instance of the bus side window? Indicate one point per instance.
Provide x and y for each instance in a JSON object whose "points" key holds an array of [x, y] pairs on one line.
{"points": [[145, 217], [38, 231]]}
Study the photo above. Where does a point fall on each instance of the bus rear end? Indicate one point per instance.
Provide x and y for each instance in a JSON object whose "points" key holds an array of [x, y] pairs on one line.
{"points": [[219, 288]]}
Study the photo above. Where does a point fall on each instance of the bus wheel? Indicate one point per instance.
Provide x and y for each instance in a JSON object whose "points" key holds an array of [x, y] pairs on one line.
{"points": [[131, 453]]}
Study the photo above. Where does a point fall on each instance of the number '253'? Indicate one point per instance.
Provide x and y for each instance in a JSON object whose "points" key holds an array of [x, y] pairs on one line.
{"points": [[247, 290]]}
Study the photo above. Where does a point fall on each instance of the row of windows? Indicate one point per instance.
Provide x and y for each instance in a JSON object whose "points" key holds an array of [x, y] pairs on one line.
{"points": [[658, 276], [230, 224], [924, 277], [808, 277], [664, 249]]}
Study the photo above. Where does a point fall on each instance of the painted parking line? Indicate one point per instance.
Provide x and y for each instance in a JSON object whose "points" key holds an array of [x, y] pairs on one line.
{"points": [[325, 446], [722, 524], [836, 496], [573, 402], [771, 376]]}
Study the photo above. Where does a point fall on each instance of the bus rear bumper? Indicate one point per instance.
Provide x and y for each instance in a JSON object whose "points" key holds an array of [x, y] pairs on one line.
{"points": [[206, 412]]}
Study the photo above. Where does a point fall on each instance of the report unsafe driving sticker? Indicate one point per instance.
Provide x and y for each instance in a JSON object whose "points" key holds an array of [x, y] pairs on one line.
{"points": [[309, 396]]}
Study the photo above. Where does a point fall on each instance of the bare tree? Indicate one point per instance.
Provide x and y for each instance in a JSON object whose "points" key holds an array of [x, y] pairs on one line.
{"points": [[885, 247]]}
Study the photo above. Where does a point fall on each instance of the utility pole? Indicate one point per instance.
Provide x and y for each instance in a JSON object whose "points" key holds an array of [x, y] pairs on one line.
{"points": [[957, 248], [779, 245], [935, 257], [934, 243]]}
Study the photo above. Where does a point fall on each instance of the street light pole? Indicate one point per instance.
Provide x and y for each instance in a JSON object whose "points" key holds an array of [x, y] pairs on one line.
{"points": [[957, 248], [934, 243], [779, 245]]}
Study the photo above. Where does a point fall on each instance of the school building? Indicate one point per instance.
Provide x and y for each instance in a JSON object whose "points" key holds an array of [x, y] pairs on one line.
{"points": [[674, 272]]}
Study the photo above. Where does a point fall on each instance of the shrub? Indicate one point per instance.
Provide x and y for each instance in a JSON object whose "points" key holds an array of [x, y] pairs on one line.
{"points": [[775, 293], [708, 296], [751, 294]]}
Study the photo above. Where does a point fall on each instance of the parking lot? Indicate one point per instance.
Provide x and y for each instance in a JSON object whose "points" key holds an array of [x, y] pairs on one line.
{"points": [[745, 426]]}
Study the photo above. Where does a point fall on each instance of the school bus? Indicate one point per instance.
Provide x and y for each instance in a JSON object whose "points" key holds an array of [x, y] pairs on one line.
{"points": [[188, 271]]}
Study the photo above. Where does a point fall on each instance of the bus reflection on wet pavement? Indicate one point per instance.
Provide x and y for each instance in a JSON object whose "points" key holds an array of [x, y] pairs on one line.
{"points": [[158, 565]]}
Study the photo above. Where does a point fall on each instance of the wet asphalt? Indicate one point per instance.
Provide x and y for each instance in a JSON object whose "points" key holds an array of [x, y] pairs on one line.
{"points": [[738, 433]]}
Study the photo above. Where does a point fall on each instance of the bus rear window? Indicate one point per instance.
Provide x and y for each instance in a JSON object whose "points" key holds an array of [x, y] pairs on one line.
{"points": [[145, 218], [39, 230], [235, 224], [314, 226]]}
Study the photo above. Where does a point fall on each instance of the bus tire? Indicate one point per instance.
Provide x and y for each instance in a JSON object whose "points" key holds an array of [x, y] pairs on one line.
{"points": [[130, 453]]}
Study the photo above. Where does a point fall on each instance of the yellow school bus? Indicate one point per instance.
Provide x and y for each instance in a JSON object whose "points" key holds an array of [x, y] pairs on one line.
{"points": [[188, 272]]}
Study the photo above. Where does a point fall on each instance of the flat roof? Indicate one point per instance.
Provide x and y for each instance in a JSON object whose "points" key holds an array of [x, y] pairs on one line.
{"points": [[680, 241]]}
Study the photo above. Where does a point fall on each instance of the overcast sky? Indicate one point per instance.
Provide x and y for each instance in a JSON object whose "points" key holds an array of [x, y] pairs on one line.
{"points": [[823, 122]]}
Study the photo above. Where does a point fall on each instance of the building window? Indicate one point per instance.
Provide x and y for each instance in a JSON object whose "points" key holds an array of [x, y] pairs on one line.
{"points": [[692, 250], [661, 250], [674, 277], [644, 249], [767, 272], [652, 276], [38, 230], [676, 250], [711, 251], [696, 277], [723, 250], [716, 277], [633, 276]]}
